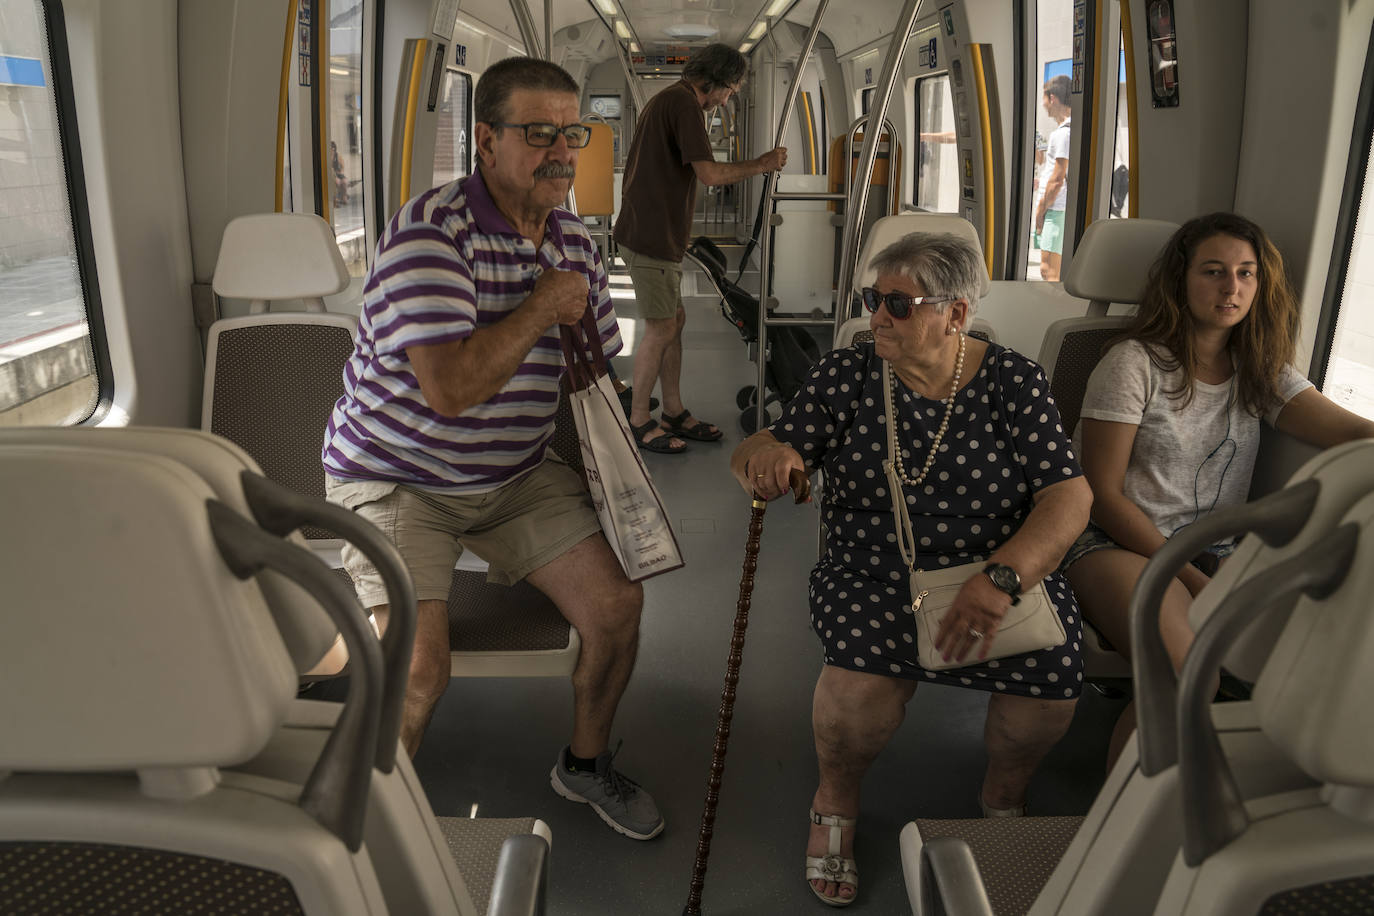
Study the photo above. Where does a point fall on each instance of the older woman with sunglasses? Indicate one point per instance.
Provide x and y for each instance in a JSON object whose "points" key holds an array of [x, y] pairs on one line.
{"points": [[988, 478]]}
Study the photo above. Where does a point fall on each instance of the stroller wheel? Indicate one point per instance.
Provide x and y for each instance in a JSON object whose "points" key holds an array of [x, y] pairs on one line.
{"points": [[748, 419], [745, 397]]}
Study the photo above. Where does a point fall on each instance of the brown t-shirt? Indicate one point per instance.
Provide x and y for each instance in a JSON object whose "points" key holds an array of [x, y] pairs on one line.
{"points": [[659, 193]]}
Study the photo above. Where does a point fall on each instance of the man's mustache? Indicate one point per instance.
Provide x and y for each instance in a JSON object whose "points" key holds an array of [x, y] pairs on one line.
{"points": [[555, 170]]}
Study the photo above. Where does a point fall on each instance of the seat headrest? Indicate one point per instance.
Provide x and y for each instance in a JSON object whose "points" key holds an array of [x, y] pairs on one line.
{"points": [[266, 256], [891, 228], [129, 643], [305, 627], [1112, 261], [1313, 695]]}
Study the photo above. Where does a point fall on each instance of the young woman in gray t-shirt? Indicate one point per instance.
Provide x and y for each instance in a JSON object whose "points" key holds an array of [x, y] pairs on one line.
{"points": [[1170, 419]]}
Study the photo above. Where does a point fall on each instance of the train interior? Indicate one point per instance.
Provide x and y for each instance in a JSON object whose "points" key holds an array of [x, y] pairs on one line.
{"points": [[192, 194]]}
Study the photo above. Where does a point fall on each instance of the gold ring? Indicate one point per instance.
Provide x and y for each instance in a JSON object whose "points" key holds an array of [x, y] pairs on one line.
{"points": [[760, 475]]}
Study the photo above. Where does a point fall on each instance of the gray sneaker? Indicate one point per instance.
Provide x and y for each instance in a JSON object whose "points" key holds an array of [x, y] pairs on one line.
{"points": [[620, 801]]}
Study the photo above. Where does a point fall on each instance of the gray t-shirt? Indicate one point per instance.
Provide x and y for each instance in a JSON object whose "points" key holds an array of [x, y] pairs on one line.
{"points": [[1186, 460]]}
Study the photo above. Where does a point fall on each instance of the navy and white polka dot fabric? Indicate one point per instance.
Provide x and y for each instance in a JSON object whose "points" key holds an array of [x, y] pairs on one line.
{"points": [[1004, 443]]}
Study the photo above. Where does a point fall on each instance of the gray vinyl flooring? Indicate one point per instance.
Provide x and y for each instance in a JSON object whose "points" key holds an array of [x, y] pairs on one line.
{"points": [[492, 742]]}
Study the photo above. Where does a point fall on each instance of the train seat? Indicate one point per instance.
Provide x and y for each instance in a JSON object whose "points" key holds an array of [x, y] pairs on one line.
{"points": [[1109, 266], [888, 230], [271, 382], [1120, 856], [140, 671], [420, 860]]}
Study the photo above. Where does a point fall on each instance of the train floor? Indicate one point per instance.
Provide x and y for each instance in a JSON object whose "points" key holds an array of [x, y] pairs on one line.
{"points": [[492, 742]]}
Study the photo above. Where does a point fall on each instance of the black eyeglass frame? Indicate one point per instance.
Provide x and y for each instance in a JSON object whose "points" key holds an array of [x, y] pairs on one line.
{"points": [[525, 131], [898, 306]]}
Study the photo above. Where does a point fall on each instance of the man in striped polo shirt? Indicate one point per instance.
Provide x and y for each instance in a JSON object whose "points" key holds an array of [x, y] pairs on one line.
{"points": [[441, 436]]}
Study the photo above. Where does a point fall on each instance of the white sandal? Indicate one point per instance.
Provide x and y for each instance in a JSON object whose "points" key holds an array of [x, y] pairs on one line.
{"points": [[832, 866]]}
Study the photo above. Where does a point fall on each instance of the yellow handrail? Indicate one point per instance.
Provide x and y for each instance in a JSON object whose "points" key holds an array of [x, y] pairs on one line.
{"points": [[417, 69], [985, 119], [287, 45]]}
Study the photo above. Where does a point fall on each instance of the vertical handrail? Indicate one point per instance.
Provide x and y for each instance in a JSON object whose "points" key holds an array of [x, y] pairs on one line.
{"points": [[769, 186], [525, 22], [548, 30], [288, 48], [858, 192], [885, 127]]}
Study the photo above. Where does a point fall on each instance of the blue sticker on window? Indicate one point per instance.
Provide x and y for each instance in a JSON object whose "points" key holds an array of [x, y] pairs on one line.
{"points": [[21, 71]]}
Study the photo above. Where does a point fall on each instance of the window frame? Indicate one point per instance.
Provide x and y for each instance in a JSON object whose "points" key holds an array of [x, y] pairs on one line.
{"points": [[1356, 173], [69, 135]]}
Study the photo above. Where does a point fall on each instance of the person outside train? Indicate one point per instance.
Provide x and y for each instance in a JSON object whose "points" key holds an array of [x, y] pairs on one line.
{"points": [[1049, 212], [441, 437], [989, 478], [670, 152], [1171, 419]]}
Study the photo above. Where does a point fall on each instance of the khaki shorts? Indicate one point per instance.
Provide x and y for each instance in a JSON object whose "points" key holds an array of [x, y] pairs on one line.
{"points": [[516, 528], [658, 284]]}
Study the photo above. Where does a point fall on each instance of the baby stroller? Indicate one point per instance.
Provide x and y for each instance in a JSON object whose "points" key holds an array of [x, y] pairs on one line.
{"points": [[791, 351]]}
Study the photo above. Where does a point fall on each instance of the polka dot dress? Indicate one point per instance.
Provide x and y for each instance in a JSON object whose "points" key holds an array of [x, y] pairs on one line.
{"points": [[1004, 443]]}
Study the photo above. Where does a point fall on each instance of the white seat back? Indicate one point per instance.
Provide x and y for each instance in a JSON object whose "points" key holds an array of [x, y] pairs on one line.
{"points": [[891, 228], [265, 257], [1113, 259]]}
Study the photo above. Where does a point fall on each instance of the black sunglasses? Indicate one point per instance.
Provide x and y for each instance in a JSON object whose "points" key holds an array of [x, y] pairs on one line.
{"points": [[540, 134], [898, 306]]}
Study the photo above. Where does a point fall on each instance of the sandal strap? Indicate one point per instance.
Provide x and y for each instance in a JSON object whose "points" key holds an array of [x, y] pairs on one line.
{"points": [[831, 820]]}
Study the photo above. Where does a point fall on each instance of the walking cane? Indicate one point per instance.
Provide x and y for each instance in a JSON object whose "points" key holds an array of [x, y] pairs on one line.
{"points": [[801, 490]]}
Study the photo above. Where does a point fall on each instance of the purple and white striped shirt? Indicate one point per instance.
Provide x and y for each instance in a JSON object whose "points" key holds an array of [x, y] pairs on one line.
{"points": [[448, 264]]}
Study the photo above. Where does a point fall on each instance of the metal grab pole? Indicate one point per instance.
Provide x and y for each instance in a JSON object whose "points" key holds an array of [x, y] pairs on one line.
{"points": [[858, 191], [548, 30], [769, 187], [525, 21], [801, 492]]}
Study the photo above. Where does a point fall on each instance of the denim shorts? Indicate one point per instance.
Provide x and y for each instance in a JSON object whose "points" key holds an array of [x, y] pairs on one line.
{"points": [[1094, 538]]}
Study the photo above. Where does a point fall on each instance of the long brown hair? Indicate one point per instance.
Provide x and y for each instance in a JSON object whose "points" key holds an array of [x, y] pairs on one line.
{"points": [[1260, 346]]}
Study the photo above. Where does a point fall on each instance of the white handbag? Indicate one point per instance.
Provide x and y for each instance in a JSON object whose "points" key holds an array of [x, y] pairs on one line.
{"points": [[632, 514], [1030, 625]]}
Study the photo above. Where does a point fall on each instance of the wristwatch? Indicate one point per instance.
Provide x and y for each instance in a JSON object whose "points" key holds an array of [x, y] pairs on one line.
{"points": [[1005, 578]]}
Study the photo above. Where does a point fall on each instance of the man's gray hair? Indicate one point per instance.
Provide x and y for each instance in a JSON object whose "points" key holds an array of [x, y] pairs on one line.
{"points": [[946, 265], [715, 67]]}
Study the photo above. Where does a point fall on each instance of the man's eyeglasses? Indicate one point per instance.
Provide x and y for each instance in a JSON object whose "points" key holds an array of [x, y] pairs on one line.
{"points": [[540, 134], [898, 306]]}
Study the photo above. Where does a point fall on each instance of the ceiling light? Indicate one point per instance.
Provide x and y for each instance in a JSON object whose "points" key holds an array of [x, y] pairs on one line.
{"points": [[634, 47], [691, 30], [606, 6], [777, 7], [622, 29], [744, 48], [757, 31]]}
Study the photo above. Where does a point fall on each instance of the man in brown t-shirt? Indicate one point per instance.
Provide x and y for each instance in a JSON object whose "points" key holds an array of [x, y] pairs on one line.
{"points": [[669, 153]]}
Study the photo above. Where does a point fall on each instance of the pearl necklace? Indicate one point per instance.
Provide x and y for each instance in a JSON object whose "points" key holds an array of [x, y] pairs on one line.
{"points": [[944, 424]]}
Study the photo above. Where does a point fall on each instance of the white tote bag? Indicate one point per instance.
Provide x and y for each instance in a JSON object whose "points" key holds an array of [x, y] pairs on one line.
{"points": [[631, 511]]}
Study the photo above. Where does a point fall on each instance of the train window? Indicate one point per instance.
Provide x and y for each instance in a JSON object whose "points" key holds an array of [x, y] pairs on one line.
{"points": [[1350, 367], [452, 149], [47, 358], [1053, 72], [937, 165], [344, 179], [1119, 204], [866, 99]]}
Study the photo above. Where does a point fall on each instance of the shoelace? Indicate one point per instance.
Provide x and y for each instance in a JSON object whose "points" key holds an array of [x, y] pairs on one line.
{"points": [[621, 786]]}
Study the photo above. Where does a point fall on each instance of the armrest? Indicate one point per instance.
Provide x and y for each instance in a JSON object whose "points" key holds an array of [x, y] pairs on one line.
{"points": [[522, 875], [942, 876]]}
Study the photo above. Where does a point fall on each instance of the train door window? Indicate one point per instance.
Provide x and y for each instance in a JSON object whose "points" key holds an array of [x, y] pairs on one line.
{"points": [[1118, 202], [1052, 125], [48, 360], [452, 145], [937, 165], [866, 99], [344, 160], [1350, 367]]}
